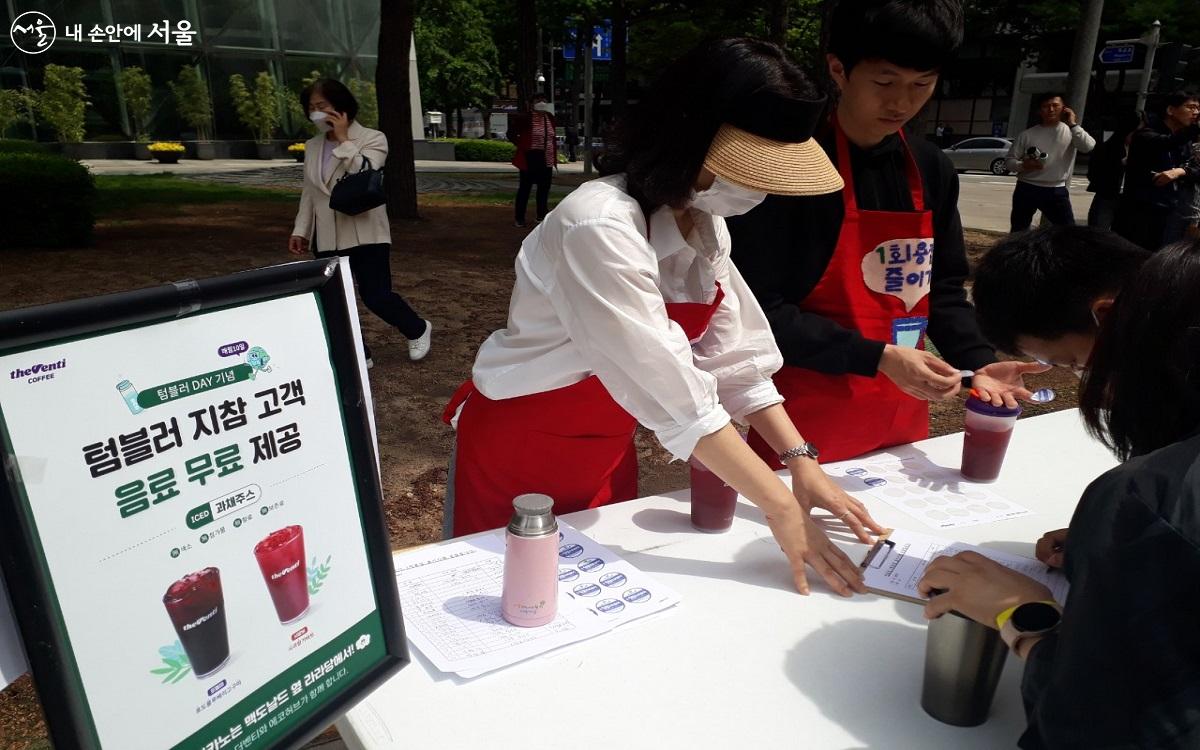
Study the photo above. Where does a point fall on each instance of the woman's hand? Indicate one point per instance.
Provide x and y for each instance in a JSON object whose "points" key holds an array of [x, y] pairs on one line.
{"points": [[1050, 548], [1002, 383], [919, 373], [341, 126], [297, 245], [803, 542], [977, 587], [813, 488]]}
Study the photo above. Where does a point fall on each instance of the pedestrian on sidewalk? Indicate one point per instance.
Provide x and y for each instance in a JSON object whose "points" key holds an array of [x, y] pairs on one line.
{"points": [[1042, 157], [340, 147], [852, 281], [536, 156], [1156, 170], [1106, 169]]}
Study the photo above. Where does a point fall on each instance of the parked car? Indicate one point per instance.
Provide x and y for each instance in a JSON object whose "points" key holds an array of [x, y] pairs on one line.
{"points": [[980, 154]]}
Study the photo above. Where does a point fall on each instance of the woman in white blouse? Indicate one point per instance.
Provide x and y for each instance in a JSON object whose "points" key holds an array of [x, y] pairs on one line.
{"points": [[627, 309], [340, 147]]}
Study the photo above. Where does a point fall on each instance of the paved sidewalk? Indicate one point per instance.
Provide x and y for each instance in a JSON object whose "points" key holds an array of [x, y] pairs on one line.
{"points": [[223, 166]]}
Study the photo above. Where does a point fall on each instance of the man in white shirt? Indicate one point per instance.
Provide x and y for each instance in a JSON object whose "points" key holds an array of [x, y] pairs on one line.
{"points": [[1042, 157]]}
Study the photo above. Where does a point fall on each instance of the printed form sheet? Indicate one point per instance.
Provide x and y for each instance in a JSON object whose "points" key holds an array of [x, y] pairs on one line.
{"points": [[450, 595], [895, 565], [936, 496]]}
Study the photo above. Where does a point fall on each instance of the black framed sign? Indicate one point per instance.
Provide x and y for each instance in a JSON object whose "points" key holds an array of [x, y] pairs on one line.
{"points": [[191, 526]]}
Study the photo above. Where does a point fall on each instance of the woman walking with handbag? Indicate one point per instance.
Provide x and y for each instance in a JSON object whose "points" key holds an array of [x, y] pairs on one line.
{"points": [[343, 147]]}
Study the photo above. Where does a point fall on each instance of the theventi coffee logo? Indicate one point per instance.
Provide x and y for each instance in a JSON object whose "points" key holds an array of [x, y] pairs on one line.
{"points": [[32, 32]]}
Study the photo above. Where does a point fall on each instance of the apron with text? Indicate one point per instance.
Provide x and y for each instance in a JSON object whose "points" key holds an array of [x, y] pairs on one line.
{"points": [[876, 283], [573, 443]]}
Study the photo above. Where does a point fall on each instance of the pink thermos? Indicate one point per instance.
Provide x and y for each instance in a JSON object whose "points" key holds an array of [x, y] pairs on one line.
{"points": [[530, 596]]}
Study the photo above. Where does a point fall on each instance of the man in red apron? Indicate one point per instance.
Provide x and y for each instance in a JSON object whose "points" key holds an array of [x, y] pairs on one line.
{"points": [[852, 282]]}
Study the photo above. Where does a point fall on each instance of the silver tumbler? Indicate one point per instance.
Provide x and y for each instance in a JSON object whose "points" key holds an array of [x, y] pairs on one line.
{"points": [[963, 662]]}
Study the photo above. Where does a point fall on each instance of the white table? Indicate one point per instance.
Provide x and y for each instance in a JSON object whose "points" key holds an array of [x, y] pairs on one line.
{"points": [[744, 659]]}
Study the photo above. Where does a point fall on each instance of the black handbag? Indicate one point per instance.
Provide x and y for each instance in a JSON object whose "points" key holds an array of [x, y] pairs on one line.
{"points": [[356, 192]]}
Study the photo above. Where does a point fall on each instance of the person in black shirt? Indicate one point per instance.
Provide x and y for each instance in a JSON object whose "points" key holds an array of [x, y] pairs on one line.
{"points": [[850, 282], [1119, 666], [1106, 170], [1157, 166]]}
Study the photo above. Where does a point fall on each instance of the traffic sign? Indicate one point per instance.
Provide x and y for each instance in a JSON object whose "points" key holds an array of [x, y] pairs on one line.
{"points": [[1118, 54]]}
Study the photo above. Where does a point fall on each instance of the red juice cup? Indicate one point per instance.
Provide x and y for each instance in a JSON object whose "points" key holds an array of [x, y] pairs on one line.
{"points": [[985, 438], [713, 501], [281, 559], [196, 606]]}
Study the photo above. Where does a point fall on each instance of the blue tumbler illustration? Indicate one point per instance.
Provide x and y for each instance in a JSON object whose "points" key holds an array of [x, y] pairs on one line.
{"points": [[130, 394]]}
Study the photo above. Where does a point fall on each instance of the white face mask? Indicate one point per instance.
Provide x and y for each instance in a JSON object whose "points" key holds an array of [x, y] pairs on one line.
{"points": [[321, 120], [544, 107], [726, 199]]}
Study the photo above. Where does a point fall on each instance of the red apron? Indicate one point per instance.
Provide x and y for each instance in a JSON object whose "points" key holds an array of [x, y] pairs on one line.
{"points": [[574, 443], [877, 283]]}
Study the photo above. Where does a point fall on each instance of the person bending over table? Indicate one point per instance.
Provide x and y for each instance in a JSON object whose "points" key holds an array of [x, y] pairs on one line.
{"points": [[627, 309], [1120, 665]]}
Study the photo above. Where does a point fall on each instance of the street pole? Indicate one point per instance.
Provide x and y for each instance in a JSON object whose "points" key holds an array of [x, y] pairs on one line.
{"points": [[1151, 42], [552, 48], [587, 101], [1080, 76]]}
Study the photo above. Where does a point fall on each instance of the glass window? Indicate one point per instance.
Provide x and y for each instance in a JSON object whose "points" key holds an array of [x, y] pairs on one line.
{"points": [[363, 28], [973, 143], [162, 67], [102, 116], [310, 25], [235, 23], [63, 12], [149, 12]]}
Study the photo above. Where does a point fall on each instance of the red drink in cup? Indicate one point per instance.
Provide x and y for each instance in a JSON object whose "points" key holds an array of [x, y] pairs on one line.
{"points": [[196, 606], [713, 501], [985, 439], [281, 559]]}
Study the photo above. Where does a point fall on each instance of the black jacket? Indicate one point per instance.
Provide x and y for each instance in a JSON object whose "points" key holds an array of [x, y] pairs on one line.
{"points": [[1123, 669]]}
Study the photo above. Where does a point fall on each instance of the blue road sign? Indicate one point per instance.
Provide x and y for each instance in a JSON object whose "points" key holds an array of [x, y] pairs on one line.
{"points": [[1118, 54], [601, 42]]}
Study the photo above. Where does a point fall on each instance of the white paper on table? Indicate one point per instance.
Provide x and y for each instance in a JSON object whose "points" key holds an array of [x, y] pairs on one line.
{"points": [[13, 663], [600, 579], [934, 495], [895, 565]]}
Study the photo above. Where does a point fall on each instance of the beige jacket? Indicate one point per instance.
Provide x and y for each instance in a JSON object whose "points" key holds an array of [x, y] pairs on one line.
{"points": [[320, 224]]}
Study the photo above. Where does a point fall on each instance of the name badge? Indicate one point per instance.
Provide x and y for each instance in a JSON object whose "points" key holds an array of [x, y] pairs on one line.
{"points": [[902, 268]]}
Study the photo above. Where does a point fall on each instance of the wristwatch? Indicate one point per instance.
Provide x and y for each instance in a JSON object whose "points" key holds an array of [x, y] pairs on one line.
{"points": [[806, 449], [1028, 620]]}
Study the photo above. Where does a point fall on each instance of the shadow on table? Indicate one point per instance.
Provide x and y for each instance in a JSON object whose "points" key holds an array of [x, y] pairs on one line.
{"points": [[875, 690]]}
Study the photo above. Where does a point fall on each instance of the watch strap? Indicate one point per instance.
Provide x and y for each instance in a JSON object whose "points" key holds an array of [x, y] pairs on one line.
{"points": [[804, 449], [1013, 637]]}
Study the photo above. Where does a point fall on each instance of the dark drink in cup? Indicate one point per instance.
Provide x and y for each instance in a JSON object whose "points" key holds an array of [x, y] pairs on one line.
{"points": [[985, 438], [713, 501], [281, 559], [196, 606]]}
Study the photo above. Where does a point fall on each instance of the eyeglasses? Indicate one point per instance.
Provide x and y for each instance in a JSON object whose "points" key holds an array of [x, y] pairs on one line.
{"points": [[1077, 369]]}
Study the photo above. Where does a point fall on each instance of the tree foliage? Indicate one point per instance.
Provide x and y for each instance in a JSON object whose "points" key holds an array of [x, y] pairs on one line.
{"points": [[258, 109], [62, 101], [456, 56], [138, 91], [192, 101]]}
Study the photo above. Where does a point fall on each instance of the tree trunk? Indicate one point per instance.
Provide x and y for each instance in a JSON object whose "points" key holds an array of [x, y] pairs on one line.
{"points": [[459, 125], [582, 33], [618, 91], [527, 52], [395, 106], [777, 23]]}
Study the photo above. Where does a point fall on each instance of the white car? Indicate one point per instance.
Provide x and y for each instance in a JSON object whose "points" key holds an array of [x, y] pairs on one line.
{"points": [[980, 154]]}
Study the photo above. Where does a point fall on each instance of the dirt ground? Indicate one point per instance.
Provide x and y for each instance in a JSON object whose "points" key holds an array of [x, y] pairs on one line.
{"points": [[454, 267]]}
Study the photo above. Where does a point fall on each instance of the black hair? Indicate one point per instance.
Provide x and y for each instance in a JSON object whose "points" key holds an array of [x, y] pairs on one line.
{"points": [[335, 92], [1042, 283], [917, 34], [1046, 96], [1177, 98], [1127, 121], [662, 143], [1141, 391]]}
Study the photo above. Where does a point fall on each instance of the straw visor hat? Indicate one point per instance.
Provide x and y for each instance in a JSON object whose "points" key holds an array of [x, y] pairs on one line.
{"points": [[766, 144]]}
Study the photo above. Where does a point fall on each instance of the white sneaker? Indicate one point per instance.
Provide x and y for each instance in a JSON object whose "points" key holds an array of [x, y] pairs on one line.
{"points": [[370, 363], [419, 347]]}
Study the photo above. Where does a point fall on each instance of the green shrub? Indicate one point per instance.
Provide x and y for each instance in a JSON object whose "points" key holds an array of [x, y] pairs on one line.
{"points": [[191, 100], [47, 201], [62, 101], [258, 109], [15, 146], [473, 149], [139, 91]]}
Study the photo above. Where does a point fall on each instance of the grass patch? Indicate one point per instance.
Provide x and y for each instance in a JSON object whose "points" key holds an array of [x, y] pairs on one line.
{"points": [[123, 192], [478, 199]]}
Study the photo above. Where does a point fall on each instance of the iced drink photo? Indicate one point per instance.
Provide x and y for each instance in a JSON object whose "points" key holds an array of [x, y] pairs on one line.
{"points": [[713, 501], [196, 606], [281, 559]]}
